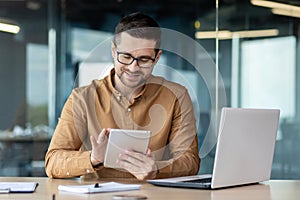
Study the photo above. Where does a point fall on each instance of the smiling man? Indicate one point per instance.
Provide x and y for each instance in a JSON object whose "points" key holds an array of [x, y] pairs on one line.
{"points": [[130, 97]]}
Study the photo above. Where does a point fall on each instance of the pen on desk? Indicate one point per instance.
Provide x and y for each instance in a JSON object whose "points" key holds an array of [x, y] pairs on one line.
{"points": [[97, 185]]}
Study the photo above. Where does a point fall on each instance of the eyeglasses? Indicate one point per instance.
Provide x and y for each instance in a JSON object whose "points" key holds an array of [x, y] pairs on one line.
{"points": [[128, 59]]}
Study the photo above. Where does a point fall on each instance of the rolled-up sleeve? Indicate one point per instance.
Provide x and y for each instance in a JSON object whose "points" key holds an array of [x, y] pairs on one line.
{"points": [[63, 158]]}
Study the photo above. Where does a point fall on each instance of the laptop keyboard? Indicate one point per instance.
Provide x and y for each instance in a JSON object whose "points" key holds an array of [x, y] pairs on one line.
{"points": [[200, 181]]}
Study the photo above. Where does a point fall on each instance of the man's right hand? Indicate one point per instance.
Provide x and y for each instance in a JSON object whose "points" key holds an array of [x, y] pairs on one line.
{"points": [[99, 146]]}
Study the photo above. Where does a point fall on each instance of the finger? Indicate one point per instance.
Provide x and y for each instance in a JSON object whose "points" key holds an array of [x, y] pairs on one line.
{"points": [[144, 162], [148, 153], [135, 154], [102, 136], [130, 167], [139, 173], [93, 141], [141, 170], [132, 160]]}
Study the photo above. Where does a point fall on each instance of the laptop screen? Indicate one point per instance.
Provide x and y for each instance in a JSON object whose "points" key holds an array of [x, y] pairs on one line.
{"points": [[245, 146]]}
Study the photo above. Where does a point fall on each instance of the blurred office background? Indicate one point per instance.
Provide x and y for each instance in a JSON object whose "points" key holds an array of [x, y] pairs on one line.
{"points": [[256, 52]]}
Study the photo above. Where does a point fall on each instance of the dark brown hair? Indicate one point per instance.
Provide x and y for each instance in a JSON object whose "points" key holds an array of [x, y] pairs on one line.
{"points": [[138, 25]]}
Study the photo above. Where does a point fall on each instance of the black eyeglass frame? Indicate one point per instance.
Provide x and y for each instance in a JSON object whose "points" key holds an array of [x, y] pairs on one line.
{"points": [[137, 59]]}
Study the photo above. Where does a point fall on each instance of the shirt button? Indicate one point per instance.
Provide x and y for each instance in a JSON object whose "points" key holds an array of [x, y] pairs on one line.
{"points": [[88, 171], [128, 109], [118, 98], [68, 173]]}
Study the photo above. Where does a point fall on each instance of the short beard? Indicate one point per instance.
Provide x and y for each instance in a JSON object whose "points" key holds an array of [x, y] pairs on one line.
{"points": [[139, 84]]}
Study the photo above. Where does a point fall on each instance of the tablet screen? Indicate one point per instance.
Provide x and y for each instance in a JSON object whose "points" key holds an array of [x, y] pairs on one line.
{"points": [[120, 140]]}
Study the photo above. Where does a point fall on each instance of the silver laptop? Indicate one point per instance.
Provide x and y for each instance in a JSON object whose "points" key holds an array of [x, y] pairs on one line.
{"points": [[244, 151]]}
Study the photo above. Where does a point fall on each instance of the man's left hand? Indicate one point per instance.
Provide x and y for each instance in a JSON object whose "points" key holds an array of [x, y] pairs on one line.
{"points": [[142, 166]]}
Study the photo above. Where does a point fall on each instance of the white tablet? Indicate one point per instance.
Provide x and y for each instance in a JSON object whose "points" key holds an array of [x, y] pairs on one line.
{"points": [[120, 140]]}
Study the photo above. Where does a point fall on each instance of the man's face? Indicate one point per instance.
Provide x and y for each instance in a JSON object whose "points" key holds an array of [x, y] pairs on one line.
{"points": [[139, 53]]}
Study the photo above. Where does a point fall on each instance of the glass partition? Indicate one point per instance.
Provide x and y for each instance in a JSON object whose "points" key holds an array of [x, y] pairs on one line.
{"points": [[24, 130], [259, 61]]}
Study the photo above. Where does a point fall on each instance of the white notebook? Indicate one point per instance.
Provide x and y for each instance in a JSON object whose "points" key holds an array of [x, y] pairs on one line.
{"points": [[17, 187], [104, 187]]}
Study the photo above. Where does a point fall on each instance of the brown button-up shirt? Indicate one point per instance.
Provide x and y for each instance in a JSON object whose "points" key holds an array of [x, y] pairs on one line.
{"points": [[163, 107]]}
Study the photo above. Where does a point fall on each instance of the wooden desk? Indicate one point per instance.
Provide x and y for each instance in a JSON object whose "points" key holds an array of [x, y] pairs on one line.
{"points": [[271, 190]]}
